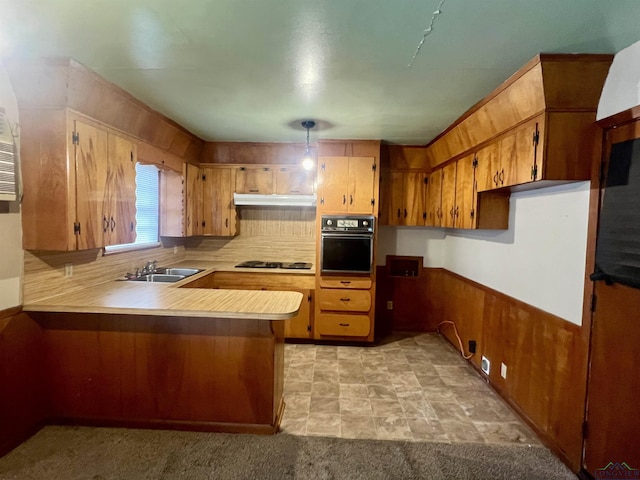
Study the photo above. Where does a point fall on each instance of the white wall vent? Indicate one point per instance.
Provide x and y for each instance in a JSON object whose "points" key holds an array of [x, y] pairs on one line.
{"points": [[8, 189]]}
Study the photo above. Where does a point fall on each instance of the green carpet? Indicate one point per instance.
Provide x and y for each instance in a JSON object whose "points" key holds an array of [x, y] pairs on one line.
{"points": [[70, 453]]}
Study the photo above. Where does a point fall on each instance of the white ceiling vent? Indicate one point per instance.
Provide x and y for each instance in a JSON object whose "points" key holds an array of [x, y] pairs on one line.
{"points": [[7, 161]]}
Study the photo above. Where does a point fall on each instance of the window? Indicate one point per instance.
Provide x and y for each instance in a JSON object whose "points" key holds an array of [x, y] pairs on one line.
{"points": [[147, 210], [147, 203]]}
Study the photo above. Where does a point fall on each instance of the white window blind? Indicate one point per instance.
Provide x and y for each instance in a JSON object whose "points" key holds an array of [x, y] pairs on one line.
{"points": [[147, 203]]}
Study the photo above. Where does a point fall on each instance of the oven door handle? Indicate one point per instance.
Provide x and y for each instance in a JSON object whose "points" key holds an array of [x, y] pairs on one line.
{"points": [[346, 235]]}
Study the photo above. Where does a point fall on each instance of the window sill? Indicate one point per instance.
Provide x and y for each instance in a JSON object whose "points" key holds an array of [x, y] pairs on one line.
{"points": [[129, 247]]}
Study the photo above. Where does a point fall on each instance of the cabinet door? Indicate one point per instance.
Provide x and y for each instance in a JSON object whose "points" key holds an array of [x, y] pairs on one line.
{"points": [[171, 204], [91, 178], [415, 192], [384, 199], [295, 181], [396, 207], [434, 199], [300, 325], [121, 186], [193, 201], [255, 180], [449, 195], [464, 211], [333, 182], [361, 185], [487, 171], [518, 155], [217, 202]]}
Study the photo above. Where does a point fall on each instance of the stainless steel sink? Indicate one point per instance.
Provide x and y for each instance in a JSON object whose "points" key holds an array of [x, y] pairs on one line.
{"points": [[179, 271], [160, 277]]}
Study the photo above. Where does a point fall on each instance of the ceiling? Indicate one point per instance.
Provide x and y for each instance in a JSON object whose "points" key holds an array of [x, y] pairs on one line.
{"points": [[251, 70]]}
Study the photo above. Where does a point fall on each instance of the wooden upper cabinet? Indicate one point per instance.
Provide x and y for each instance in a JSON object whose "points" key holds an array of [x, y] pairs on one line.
{"points": [[434, 199], [86, 203], [405, 198], [119, 206], [294, 180], [172, 214], [91, 153], [347, 185], [218, 210], [449, 196], [193, 201], [465, 208], [255, 180]]}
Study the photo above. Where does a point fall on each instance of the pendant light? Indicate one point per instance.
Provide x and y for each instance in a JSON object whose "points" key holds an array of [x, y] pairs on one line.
{"points": [[308, 161]]}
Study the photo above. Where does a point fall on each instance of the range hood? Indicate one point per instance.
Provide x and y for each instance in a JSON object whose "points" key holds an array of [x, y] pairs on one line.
{"points": [[273, 200]]}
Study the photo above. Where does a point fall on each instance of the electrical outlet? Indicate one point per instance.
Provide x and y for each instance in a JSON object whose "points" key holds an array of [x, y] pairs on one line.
{"points": [[485, 365], [472, 346], [68, 270], [175, 249], [503, 370], [389, 304]]}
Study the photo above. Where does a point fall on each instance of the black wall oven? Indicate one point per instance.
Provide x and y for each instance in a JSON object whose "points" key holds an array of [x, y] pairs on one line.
{"points": [[346, 244]]}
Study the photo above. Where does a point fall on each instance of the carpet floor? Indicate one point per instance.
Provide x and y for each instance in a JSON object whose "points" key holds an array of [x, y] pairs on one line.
{"points": [[74, 453]]}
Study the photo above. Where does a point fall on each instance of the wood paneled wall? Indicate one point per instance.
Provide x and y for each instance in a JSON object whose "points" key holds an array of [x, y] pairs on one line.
{"points": [[546, 356], [254, 153], [44, 271], [404, 157], [23, 394], [59, 83]]}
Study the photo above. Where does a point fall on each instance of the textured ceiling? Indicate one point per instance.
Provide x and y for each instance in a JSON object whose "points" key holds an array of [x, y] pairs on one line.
{"points": [[251, 70]]}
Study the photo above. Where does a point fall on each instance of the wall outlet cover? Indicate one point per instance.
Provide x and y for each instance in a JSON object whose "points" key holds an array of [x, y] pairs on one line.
{"points": [[485, 365], [503, 370]]}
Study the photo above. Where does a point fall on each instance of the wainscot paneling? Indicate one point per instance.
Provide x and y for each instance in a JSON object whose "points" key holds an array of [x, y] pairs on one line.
{"points": [[546, 356], [23, 401]]}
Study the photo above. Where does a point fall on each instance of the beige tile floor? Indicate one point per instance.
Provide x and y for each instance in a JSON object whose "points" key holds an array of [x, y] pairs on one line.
{"points": [[411, 387]]}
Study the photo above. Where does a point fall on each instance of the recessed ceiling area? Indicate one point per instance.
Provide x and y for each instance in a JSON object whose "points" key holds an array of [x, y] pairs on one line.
{"points": [[250, 70]]}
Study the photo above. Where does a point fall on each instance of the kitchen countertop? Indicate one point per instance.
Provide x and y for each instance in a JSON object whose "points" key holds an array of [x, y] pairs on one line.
{"points": [[168, 299]]}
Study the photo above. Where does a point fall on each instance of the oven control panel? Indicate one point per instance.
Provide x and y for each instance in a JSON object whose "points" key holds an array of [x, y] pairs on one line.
{"points": [[354, 223]]}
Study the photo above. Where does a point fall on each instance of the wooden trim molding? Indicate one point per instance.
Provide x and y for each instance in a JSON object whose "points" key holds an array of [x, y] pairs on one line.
{"points": [[10, 312]]}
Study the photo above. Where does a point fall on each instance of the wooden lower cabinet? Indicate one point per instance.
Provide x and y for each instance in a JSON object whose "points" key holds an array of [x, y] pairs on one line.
{"points": [[343, 325], [344, 308], [206, 374], [301, 325]]}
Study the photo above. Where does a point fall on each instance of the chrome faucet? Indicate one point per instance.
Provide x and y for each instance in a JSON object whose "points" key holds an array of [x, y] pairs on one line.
{"points": [[150, 267]]}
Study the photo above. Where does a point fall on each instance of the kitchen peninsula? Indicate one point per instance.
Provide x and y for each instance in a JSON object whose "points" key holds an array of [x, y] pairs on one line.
{"points": [[140, 354]]}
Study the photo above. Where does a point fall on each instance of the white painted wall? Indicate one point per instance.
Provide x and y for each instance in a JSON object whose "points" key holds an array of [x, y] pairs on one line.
{"points": [[540, 259], [622, 88], [11, 253]]}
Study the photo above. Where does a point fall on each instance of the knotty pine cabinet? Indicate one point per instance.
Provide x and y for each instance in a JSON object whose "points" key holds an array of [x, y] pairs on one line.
{"points": [[300, 326], [172, 203], [434, 199], [404, 198], [258, 179], [294, 180], [218, 210], [344, 308], [85, 203], [347, 185], [193, 201]]}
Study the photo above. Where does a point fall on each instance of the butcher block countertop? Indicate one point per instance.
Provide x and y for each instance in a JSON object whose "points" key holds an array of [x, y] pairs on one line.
{"points": [[169, 299]]}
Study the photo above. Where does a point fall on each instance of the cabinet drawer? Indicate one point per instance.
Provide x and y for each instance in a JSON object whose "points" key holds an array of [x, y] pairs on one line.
{"points": [[344, 300], [343, 325], [363, 283]]}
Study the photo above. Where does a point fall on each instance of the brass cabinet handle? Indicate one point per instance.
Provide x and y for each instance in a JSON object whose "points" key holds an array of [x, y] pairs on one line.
{"points": [[398, 213], [531, 172], [226, 223], [345, 299], [405, 213], [456, 212], [105, 224], [344, 324], [350, 199], [345, 282], [344, 199], [113, 224], [495, 179], [132, 226], [255, 190], [451, 212], [501, 177]]}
